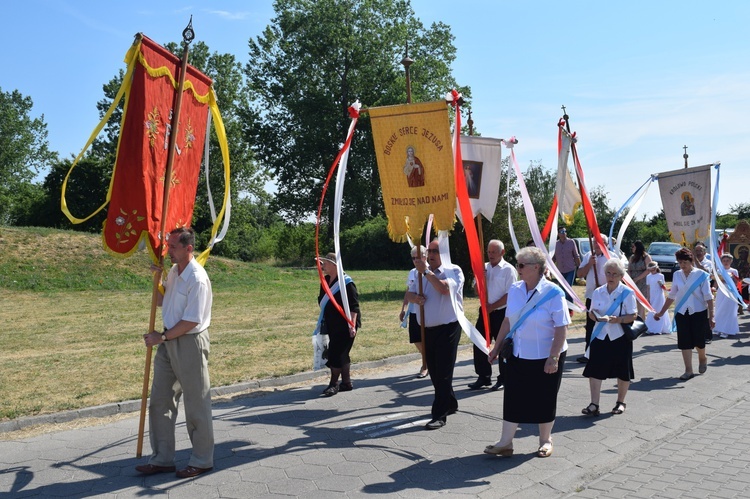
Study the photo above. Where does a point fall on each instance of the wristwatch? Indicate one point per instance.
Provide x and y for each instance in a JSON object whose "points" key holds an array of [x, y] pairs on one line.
{"points": [[164, 337], [428, 272]]}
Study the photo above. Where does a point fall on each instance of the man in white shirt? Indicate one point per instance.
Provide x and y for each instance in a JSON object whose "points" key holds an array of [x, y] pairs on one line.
{"points": [[442, 330], [181, 362], [499, 275]]}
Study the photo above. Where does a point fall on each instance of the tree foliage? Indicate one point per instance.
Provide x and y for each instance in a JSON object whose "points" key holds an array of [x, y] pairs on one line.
{"points": [[309, 66], [24, 151]]}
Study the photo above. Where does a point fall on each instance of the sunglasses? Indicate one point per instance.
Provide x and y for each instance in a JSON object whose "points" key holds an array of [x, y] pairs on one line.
{"points": [[521, 265]]}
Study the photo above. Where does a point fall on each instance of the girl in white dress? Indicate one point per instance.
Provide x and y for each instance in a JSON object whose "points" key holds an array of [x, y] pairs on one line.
{"points": [[655, 283], [726, 307]]}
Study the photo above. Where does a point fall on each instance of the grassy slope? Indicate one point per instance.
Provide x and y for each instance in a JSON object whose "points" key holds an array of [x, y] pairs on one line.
{"points": [[75, 315]]}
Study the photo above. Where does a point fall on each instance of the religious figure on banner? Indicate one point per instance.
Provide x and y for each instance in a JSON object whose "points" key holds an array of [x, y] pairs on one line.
{"points": [[687, 207], [413, 169], [473, 175]]}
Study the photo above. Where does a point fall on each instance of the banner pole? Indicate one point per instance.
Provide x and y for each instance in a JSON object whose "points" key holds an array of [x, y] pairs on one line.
{"points": [[187, 36]]}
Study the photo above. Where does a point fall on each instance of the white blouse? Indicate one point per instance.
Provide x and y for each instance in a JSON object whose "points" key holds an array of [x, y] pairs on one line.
{"points": [[533, 339], [602, 300]]}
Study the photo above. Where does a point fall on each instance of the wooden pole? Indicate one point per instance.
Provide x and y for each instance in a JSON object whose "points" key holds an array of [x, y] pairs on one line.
{"points": [[407, 61], [580, 189], [187, 37]]}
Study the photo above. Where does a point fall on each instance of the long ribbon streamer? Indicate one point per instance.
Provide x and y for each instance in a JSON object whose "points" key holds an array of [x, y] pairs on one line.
{"points": [[462, 194], [341, 161]]}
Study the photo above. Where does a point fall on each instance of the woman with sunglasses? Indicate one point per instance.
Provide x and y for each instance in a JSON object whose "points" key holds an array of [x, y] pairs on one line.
{"points": [[415, 331], [610, 351], [538, 318]]}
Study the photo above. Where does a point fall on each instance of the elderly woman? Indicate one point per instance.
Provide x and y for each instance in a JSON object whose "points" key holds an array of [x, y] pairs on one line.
{"points": [[610, 351], [415, 331], [341, 334], [537, 322], [693, 313]]}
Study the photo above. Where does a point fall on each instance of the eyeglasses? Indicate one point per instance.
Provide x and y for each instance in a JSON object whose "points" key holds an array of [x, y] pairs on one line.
{"points": [[415, 258], [433, 251], [613, 274], [521, 265]]}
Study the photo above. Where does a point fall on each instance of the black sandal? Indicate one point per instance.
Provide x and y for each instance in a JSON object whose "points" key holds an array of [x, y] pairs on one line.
{"points": [[588, 411], [617, 409]]}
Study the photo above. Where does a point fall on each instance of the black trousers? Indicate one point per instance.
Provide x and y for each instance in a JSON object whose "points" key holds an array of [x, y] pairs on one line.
{"points": [[481, 366], [441, 345]]}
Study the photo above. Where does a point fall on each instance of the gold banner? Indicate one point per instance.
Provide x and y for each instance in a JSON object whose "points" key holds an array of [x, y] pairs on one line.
{"points": [[415, 161]]}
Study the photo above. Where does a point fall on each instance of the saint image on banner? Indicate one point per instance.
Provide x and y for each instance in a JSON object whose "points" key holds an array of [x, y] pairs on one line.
{"points": [[473, 176], [413, 169], [687, 207]]}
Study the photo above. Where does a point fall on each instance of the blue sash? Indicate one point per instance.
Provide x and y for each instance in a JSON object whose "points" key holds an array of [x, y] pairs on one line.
{"points": [[697, 282], [325, 300], [551, 293], [610, 310]]}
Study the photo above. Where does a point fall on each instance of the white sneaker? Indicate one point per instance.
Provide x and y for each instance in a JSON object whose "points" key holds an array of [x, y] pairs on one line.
{"points": [[722, 335]]}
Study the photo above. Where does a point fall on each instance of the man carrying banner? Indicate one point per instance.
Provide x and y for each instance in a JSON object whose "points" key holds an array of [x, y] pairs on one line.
{"points": [[499, 276], [442, 330], [181, 362]]}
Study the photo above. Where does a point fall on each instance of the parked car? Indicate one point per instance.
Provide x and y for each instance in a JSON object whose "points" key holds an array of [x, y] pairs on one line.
{"points": [[663, 254]]}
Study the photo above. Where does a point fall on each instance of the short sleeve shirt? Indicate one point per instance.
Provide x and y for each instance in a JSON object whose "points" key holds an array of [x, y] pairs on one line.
{"points": [[188, 296]]}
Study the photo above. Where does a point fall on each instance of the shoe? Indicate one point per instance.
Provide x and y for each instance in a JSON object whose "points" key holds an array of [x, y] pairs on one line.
{"points": [[435, 424], [191, 471], [591, 410], [708, 341], [152, 469], [545, 450], [702, 368], [422, 373], [346, 387], [331, 390], [480, 383], [687, 376], [506, 451], [724, 336], [582, 359], [619, 407], [497, 386]]}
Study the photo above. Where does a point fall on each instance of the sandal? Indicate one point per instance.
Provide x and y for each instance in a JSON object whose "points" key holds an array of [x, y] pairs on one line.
{"points": [[619, 407], [687, 376], [588, 411], [545, 450], [331, 390], [346, 387]]}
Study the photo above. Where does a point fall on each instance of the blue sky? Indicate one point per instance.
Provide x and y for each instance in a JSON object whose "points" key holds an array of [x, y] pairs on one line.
{"points": [[639, 79]]}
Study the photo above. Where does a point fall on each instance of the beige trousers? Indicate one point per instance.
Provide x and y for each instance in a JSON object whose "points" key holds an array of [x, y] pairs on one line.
{"points": [[181, 368]]}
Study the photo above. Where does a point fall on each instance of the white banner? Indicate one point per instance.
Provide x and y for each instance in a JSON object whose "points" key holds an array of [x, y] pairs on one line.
{"points": [[568, 195], [686, 199], [481, 158]]}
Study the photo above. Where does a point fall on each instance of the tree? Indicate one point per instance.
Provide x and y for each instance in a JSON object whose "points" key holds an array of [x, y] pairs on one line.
{"points": [[309, 66], [541, 184], [24, 150]]}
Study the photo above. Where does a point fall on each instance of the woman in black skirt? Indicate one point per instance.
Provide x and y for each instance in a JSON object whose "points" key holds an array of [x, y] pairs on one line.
{"points": [[610, 351], [693, 314], [534, 371], [340, 333]]}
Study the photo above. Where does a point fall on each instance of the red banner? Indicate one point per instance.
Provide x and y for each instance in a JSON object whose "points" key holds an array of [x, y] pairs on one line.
{"points": [[137, 191]]}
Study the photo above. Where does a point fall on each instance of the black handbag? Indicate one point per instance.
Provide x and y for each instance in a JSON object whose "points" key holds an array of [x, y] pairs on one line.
{"points": [[634, 329], [507, 351]]}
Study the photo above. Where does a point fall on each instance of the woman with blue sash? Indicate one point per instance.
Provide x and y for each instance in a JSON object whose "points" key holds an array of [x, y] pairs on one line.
{"points": [[610, 351], [536, 322], [340, 333], [693, 313]]}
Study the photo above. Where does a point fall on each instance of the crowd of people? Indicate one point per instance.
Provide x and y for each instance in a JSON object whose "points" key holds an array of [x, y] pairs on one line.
{"points": [[528, 320]]}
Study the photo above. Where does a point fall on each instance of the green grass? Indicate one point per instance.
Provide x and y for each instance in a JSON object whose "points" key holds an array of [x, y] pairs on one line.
{"points": [[74, 317]]}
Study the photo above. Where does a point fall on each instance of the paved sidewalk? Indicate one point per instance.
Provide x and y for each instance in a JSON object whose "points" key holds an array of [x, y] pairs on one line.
{"points": [[676, 439]]}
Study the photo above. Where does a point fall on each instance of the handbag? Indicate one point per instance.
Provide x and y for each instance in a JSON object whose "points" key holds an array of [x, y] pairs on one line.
{"points": [[507, 351], [634, 329]]}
